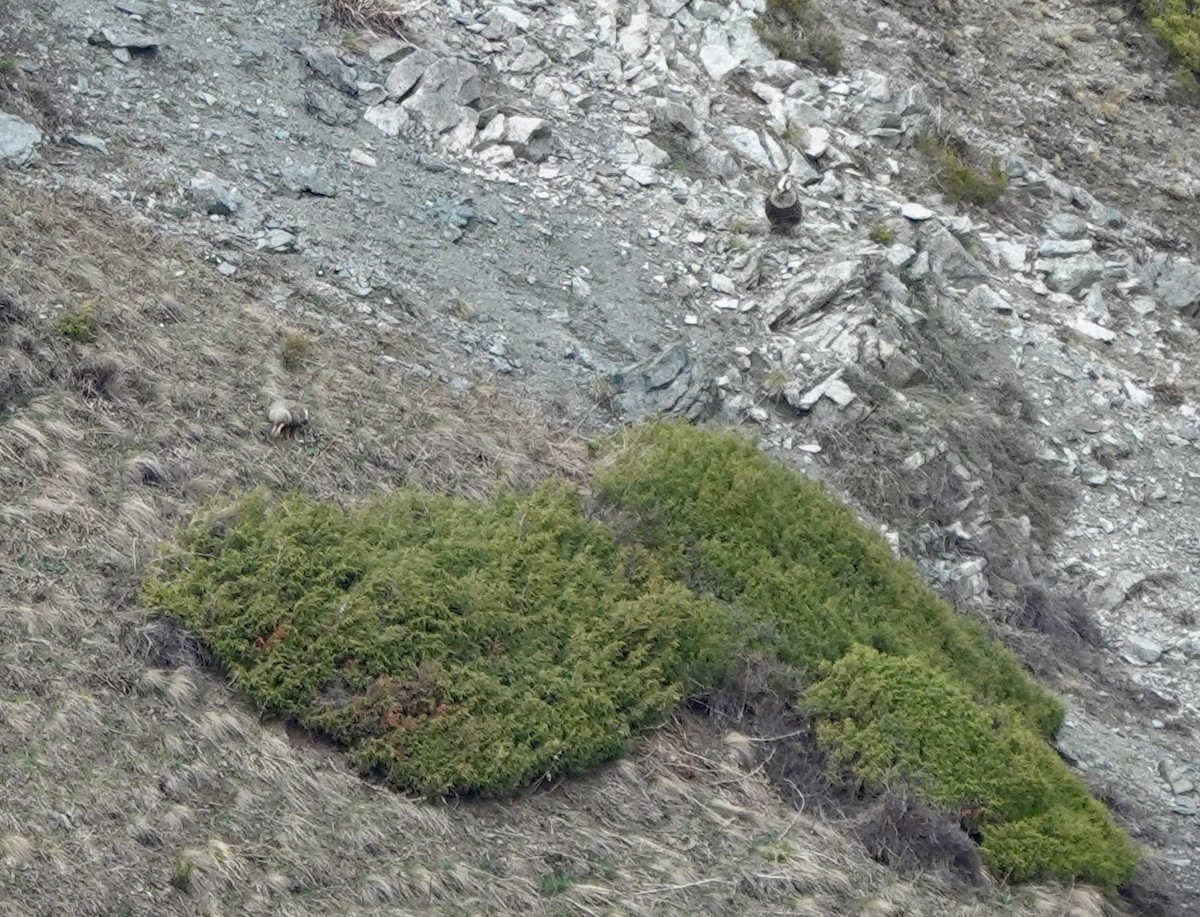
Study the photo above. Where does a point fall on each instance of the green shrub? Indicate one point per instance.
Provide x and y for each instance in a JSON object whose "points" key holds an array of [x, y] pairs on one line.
{"points": [[958, 176], [457, 647], [883, 718], [1177, 22], [451, 646], [798, 30], [882, 234], [730, 521], [78, 324]]}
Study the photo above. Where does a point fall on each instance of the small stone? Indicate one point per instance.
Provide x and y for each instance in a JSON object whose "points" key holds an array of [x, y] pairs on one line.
{"points": [[1093, 331], [1067, 226], [643, 175], [747, 144], [580, 288], [90, 142], [362, 158], [1013, 255], [133, 7], [1139, 397], [325, 61], [386, 50], [1141, 650], [984, 297], [279, 241], [722, 284], [816, 142], [1123, 584], [212, 195], [1072, 274], [18, 140], [129, 39], [1064, 248], [915, 212]]}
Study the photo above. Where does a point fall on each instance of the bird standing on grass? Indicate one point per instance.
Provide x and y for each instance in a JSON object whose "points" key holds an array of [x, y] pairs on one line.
{"points": [[286, 415], [783, 207]]}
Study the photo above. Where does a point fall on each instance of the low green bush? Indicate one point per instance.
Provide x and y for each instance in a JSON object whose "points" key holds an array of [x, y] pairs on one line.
{"points": [[959, 176], [730, 521], [78, 324], [1177, 22], [882, 234], [887, 718], [452, 647]]}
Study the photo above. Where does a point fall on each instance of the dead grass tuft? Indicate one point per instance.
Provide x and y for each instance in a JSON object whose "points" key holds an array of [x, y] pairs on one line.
{"points": [[15, 849], [901, 831], [388, 15]]}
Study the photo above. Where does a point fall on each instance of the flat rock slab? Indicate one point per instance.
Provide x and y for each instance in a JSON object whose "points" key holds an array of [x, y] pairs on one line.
{"points": [[130, 39], [18, 140]]}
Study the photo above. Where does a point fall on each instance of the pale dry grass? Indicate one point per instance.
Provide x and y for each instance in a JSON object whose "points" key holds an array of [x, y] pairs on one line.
{"points": [[135, 780], [386, 15]]}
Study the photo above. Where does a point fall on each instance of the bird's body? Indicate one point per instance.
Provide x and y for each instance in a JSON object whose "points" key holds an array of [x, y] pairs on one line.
{"points": [[783, 207], [285, 414]]}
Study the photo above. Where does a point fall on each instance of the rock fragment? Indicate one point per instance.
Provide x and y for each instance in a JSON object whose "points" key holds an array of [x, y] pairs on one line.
{"points": [[18, 140]]}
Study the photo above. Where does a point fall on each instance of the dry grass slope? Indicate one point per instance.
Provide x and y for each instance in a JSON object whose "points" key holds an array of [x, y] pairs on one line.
{"points": [[137, 783]]}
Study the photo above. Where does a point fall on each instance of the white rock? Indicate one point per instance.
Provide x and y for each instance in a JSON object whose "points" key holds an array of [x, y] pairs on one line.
{"points": [[719, 60], [746, 143], [633, 39], [643, 175], [362, 158], [915, 212], [1013, 255], [494, 131], [521, 129], [497, 155], [722, 284], [1093, 331], [1138, 396], [816, 142], [388, 117]]}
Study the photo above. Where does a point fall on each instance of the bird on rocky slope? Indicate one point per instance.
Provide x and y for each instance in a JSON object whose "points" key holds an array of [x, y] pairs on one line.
{"points": [[286, 415], [783, 207]]}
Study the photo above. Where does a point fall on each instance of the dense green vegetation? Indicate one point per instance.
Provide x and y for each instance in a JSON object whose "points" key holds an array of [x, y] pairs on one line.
{"points": [[884, 718], [453, 647], [462, 647], [1178, 24], [754, 533]]}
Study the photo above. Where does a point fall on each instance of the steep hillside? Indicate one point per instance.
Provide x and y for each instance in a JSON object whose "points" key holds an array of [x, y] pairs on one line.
{"points": [[474, 243]]}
